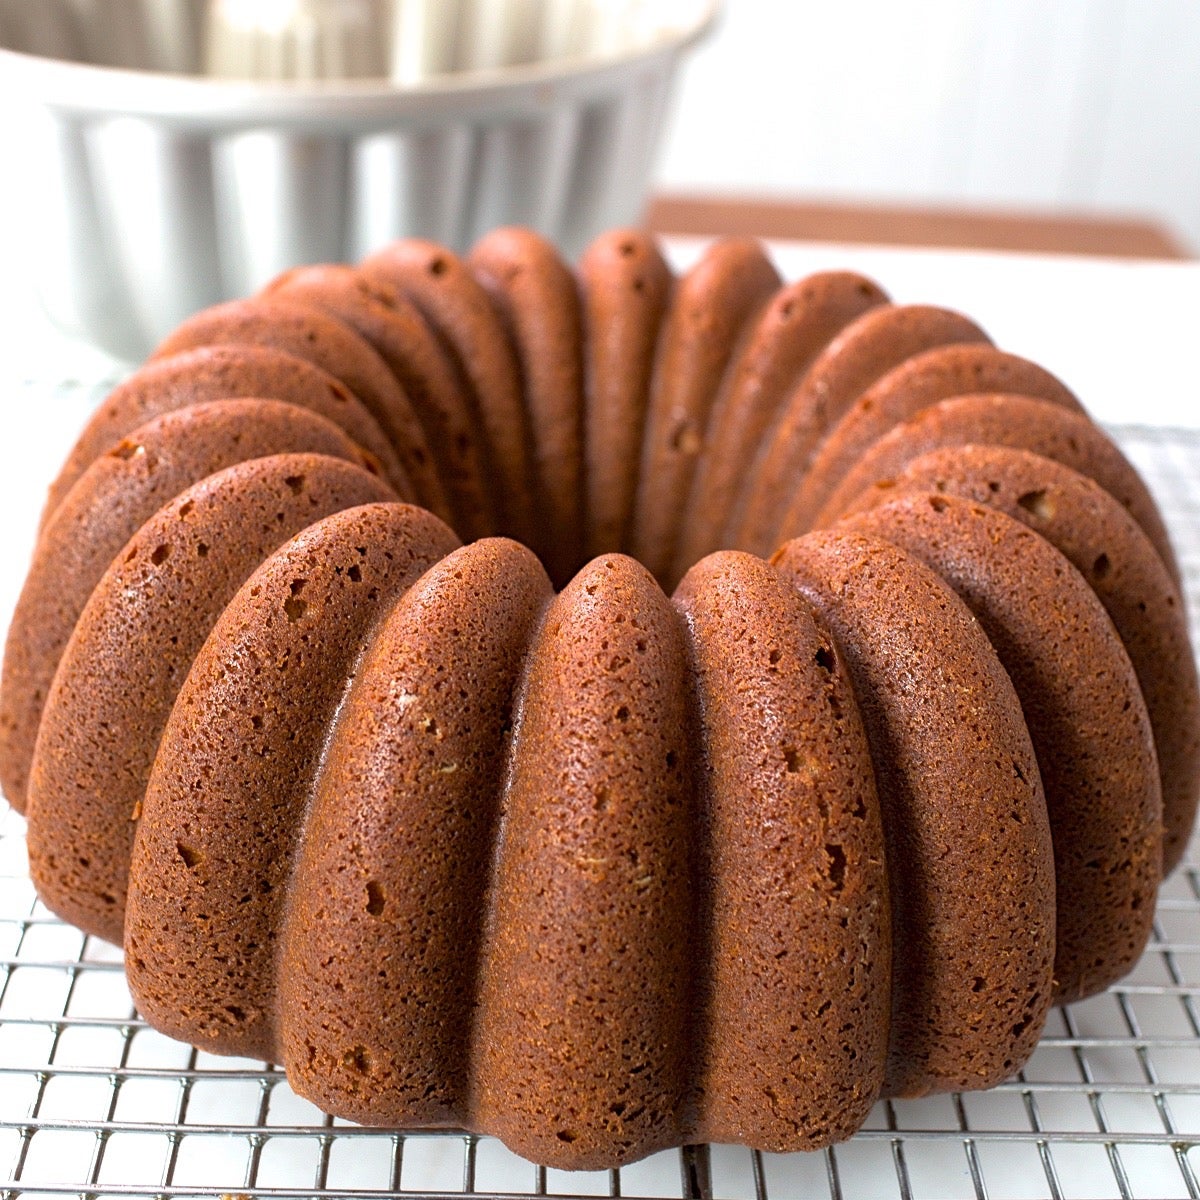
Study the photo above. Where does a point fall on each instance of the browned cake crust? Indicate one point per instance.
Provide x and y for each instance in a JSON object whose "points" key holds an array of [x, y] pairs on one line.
{"points": [[626, 288], [206, 896], [1106, 546], [964, 814], [538, 300], [792, 1025], [789, 336], [1019, 422], [222, 373], [112, 500], [969, 368], [440, 399], [715, 307], [601, 872], [581, 1041], [398, 843], [1085, 714], [308, 333], [129, 654], [869, 347], [464, 318]]}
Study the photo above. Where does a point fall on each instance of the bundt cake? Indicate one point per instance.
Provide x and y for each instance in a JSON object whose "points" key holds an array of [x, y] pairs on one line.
{"points": [[602, 832]]}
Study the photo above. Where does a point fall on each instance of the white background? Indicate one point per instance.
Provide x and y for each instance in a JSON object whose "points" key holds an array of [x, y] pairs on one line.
{"points": [[1085, 105]]}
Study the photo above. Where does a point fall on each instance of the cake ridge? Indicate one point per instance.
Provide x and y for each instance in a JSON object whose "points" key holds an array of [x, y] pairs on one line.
{"points": [[870, 346], [604, 869], [965, 368], [113, 692], [1084, 711], [713, 313], [1021, 422], [1109, 549], [798, 322], [337, 577], [394, 328]]}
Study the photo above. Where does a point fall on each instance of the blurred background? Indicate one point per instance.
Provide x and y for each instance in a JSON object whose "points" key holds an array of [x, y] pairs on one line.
{"points": [[1071, 109], [1015, 125]]}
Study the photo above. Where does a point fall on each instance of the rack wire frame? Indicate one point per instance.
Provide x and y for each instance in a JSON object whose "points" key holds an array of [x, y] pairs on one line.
{"points": [[95, 1103]]}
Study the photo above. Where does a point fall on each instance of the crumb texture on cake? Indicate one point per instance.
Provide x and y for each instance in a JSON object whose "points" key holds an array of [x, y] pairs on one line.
{"points": [[600, 708]]}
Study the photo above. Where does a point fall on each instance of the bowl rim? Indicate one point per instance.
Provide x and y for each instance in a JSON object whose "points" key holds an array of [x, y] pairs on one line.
{"points": [[88, 89]]}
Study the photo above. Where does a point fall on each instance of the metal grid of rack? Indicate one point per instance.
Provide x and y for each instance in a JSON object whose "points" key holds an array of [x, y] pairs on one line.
{"points": [[95, 1103]]}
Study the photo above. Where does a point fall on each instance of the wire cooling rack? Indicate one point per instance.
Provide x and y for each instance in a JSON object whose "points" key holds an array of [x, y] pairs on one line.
{"points": [[95, 1103]]}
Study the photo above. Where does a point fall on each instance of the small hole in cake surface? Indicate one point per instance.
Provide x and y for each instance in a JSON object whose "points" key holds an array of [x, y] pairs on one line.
{"points": [[202, 549], [160, 554], [685, 439], [185, 508], [295, 608], [565, 1135], [1101, 567], [824, 658], [1038, 503], [438, 266], [357, 1059], [938, 504], [623, 713], [126, 450], [189, 854], [376, 901], [837, 864], [295, 484]]}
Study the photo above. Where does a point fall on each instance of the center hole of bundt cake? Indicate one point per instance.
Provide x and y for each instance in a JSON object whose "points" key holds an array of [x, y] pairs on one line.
{"points": [[566, 537]]}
